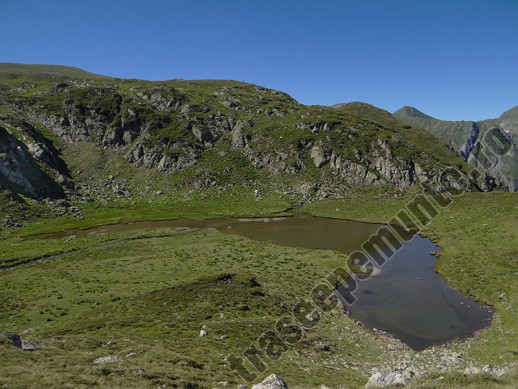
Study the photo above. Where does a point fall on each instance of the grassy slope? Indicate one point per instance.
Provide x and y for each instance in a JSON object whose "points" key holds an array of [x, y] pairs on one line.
{"points": [[479, 256], [76, 304], [457, 132], [270, 132], [453, 132], [35, 70], [95, 163], [413, 133]]}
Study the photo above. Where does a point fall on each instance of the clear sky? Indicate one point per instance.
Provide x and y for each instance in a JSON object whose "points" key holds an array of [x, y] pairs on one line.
{"points": [[451, 59]]}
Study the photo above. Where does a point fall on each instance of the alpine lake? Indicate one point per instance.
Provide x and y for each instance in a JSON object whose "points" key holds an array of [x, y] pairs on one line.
{"points": [[405, 297]]}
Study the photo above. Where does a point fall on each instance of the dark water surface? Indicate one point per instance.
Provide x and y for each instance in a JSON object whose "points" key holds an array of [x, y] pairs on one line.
{"points": [[405, 298], [411, 301]]}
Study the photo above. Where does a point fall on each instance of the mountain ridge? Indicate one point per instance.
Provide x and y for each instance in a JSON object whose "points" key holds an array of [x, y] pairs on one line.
{"points": [[42, 70], [411, 112], [200, 135], [467, 138]]}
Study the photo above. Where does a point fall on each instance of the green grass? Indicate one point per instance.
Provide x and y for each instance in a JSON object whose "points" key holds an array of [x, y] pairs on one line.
{"points": [[417, 136], [16, 69], [156, 293], [270, 133], [238, 203], [376, 204], [150, 292], [449, 380], [479, 255]]}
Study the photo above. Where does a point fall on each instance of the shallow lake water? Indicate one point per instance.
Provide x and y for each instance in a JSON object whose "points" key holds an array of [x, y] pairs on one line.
{"points": [[405, 298], [408, 299]]}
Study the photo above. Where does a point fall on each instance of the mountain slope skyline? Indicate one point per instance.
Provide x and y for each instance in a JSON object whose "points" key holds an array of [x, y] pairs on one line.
{"points": [[468, 138], [198, 134], [76, 72], [356, 52]]}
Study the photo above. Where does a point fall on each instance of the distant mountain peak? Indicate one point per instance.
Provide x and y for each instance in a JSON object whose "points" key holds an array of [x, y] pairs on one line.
{"points": [[355, 104], [411, 112], [366, 110]]}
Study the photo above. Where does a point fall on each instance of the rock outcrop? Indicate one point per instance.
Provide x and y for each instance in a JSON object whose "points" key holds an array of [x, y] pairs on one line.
{"points": [[469, 139], [107, 359], [273, 381], [381, 380], [13, 338], [29, 167], [214, 131], [16, 341]]}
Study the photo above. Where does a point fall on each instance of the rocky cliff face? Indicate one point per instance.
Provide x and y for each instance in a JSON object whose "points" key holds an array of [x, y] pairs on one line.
{"points": [[469, 140], [201, 134], [30, 165]]}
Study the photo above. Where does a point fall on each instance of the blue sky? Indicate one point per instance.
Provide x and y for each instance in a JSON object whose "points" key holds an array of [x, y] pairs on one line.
{"points": [[451, 59]]}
